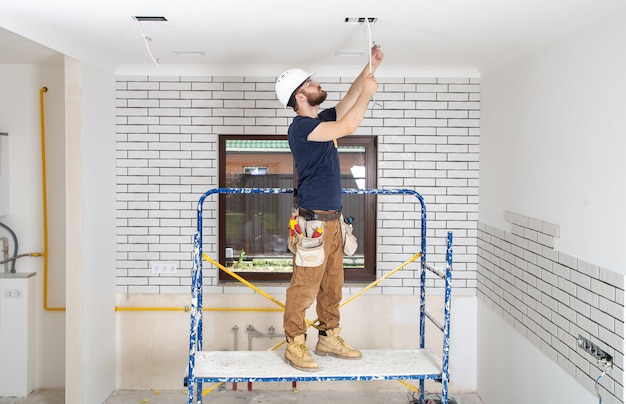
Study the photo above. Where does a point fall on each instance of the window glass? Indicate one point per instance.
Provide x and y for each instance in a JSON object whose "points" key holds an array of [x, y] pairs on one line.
{"points": [[254, 227]]}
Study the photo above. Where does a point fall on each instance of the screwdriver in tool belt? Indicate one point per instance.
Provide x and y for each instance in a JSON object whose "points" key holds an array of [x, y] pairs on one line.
{"points": [[294, 226], [318, 232]]}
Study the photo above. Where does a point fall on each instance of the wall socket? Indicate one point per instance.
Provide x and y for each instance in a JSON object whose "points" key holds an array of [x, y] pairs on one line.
{"points": [[594, 350], [13, 293], [164, 268]]}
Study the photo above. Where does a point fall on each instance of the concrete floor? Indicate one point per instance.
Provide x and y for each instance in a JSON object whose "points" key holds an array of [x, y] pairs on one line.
{"points": [[56, 396]]}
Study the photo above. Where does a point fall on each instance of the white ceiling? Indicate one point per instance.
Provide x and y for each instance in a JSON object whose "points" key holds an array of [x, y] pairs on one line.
{"points": [[480, 34]]}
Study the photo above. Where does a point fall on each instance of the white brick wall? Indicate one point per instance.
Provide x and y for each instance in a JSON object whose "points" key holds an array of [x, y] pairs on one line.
{"points": [[551, 298], [428, 138]]}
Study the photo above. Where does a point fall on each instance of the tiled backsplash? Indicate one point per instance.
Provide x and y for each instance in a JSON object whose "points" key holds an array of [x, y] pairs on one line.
{"points": [[551, 298]]}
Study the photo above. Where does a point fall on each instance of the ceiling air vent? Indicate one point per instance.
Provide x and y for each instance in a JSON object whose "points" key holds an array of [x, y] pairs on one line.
{"points": [[360, 20], [148, 18]]}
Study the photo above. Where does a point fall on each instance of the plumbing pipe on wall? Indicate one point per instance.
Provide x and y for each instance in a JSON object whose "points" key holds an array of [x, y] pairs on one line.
{"points": [[15, 246], [5, 251], [254, 333], [236, 338]]}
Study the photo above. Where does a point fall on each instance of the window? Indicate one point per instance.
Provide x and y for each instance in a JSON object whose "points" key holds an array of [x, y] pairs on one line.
{"points": [[253, 228]]}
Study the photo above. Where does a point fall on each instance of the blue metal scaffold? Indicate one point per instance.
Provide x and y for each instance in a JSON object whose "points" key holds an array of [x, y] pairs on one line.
{"points": [[242, 366]]}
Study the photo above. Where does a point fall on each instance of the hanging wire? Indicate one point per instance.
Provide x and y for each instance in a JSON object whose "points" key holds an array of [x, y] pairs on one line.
{"points": [[605, 371], [370, 45], [369, 40], [146, 40]]}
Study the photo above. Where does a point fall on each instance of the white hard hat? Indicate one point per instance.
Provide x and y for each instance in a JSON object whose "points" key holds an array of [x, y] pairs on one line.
{"points": [[288, 82]]}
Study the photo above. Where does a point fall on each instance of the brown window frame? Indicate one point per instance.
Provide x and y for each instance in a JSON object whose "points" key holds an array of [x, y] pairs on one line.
{"points": [[367, 273]]}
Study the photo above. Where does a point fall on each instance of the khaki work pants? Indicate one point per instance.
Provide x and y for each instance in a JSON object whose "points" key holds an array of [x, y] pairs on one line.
{"points": [[323, 283]]}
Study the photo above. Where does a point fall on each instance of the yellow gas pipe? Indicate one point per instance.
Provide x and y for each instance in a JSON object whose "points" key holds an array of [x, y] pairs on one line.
{"points": [[379, 280], [242, 280], [45, 204], [187, 308]]}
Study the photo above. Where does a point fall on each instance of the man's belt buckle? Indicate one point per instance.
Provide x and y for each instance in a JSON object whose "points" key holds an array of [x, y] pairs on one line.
{"points": [[307, 214], [319, 214]]}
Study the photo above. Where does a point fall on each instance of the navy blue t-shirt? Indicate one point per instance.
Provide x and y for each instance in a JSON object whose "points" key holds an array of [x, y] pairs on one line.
{"points": [[317, 164]]}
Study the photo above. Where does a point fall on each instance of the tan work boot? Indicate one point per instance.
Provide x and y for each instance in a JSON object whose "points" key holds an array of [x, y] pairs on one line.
{"points": [[298, 355], [333, 344]]}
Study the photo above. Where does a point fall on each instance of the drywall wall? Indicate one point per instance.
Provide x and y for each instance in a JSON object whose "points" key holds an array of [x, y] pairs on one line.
{"points": [[551, 155], [552, 140], [511, 370], [98, 194], [19, 113]]}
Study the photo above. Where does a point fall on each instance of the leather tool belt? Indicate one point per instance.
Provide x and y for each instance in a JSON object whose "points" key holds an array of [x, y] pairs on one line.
{"points": [[323, 215]]}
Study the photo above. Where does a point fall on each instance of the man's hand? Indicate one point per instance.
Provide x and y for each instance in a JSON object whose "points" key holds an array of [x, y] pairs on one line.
{"points": [[357, 87], [377, 56]]}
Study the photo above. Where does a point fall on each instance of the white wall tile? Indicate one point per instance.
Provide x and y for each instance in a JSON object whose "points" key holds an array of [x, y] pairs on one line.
{"points": [[157, 116], [557, 296]]}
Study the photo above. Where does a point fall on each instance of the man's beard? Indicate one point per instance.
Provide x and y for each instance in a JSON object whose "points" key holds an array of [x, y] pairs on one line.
{"points": [[317, 98]]}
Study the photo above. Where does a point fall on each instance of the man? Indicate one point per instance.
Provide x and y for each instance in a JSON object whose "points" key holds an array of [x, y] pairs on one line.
{"points": [[312, 138]]}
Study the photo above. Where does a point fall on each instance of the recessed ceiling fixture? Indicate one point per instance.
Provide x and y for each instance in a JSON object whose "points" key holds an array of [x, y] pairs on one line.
{"points": [[149, 18], [360, 20], [192, 52], [349, 53]]}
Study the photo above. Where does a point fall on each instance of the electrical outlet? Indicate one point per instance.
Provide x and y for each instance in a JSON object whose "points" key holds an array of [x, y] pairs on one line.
{"points": [[164, 268], [13, 293], [594, 350]]}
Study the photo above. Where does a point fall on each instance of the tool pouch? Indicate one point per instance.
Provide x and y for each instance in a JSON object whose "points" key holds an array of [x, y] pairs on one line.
{"points": [[309, 251], [350, 243]]}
